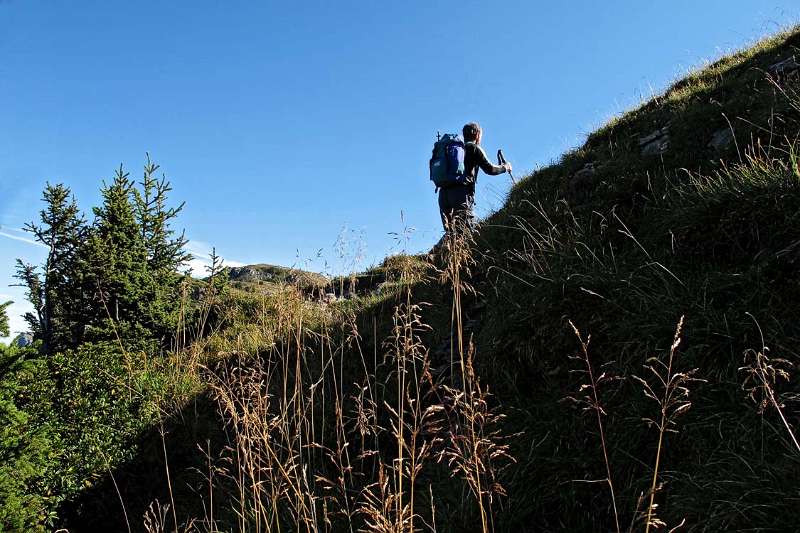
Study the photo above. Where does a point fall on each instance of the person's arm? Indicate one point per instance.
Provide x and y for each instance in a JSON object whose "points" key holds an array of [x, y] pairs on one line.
{"points": [[487, 166]]}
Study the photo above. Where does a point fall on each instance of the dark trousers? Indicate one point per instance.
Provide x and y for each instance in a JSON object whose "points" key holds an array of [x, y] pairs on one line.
{"points": [[455, 206]]}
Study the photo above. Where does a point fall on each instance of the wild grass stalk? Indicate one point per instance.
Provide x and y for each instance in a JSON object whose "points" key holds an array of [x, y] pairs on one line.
{"points": [[670, 390], [475, 447], [762, 376], [162, 433], [457, 261], [588, 398], [155, 518]]}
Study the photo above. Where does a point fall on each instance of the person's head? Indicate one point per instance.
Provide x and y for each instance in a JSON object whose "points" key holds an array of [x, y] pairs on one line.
{"points": [[472, 132]]}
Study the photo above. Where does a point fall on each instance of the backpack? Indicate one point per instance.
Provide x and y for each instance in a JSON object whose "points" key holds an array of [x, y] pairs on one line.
{"points": [[447, 161]]}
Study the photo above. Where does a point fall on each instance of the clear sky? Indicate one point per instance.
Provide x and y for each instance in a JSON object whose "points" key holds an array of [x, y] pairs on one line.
{"points": [[285, 125]]}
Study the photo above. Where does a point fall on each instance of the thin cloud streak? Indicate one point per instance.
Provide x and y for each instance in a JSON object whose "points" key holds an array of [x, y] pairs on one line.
{"points": [[201, 261], [21, 239]]}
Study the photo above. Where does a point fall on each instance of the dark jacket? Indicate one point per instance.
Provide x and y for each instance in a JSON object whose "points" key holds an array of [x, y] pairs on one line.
{"points": [[474, 159]]}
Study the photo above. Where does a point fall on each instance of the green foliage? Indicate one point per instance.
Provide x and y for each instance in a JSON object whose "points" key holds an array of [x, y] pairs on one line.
{"points": [[98, 409], [165, 251], [4, 331], [116, 266], [64, 420], [133, 259], [67, 419], [72, 406], [28, 443]]}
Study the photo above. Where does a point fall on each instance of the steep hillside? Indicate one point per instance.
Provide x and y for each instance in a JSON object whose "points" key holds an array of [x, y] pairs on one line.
{"points": [[372, 413], [687, 206]]}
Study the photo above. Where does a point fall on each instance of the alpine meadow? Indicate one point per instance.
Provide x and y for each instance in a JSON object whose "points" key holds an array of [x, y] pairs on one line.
{"points": [[616, 348]]}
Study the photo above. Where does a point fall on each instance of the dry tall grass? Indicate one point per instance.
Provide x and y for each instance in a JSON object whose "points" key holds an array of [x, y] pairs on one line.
{"points": [[323, 437]]}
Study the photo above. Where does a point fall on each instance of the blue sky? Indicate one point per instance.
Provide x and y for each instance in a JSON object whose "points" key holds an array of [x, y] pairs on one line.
{"points": [[285, 126]]}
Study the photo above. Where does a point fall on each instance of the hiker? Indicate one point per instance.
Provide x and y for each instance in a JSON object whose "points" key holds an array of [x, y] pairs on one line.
{"points": [[456, 200]]}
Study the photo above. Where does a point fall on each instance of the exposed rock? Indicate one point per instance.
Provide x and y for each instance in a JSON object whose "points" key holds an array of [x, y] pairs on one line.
{"points": [[275, 274], [656, 143], [784, 68], [721, 139], [255, 273], [581, 183], [586, 172], [24, 340]]}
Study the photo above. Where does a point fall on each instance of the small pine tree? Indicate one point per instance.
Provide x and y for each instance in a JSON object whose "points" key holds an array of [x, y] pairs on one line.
{"points": [[165, 250], [56, 292], [116, 263]]}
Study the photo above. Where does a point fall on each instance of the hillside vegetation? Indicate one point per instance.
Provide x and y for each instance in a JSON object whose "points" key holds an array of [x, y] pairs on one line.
{"points": [[613, 350]]}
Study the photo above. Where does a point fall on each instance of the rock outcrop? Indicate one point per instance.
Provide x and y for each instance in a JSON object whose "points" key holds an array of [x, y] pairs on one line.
{"points": [[581, 184], [656, 143], [786, 68], [721, 139]]}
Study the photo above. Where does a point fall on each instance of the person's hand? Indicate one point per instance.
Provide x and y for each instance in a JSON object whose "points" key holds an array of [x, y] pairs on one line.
{"points": [[507, 166]]}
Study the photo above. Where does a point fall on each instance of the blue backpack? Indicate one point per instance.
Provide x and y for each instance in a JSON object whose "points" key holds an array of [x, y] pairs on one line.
{"points": [[447, 161]]}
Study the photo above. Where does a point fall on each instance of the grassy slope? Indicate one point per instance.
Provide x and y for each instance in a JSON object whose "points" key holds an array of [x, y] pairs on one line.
{"points": [[645, 241]]}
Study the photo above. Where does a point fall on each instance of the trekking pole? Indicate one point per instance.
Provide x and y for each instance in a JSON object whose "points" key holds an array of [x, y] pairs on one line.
{"points": [[501, 160]]}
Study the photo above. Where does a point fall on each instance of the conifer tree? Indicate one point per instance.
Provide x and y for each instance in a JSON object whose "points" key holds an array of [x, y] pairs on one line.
{"points": [[29, 278], [165, 249], [116, 261], [56, 292], [117, 279]]}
